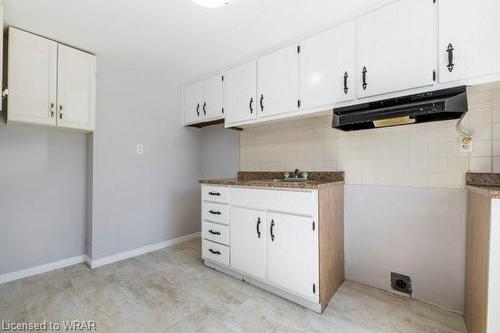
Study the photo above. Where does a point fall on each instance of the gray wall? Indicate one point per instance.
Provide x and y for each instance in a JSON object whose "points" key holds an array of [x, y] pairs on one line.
{"points": [[220, 152], [414, 231], [141, 199], [42, 196]]}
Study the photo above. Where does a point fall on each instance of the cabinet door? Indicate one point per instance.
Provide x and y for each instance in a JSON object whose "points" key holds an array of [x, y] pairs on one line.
{"points": [[327, 70], [248, 241], [32, 77], [278, 82], [291, 259], [193, 105], [472, 30], [76, 87], [241, 91], [395, 48], [212, 98]]}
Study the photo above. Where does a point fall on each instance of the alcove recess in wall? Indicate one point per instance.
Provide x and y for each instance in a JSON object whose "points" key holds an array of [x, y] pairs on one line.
{"points": [[214, 122]]}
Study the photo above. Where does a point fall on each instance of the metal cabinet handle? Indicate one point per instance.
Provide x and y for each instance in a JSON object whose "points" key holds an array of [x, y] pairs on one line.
{"points": [[364, 78], [450, 50], [251, 105], [198, 109], [272, 229], [205, 108], [214, 212], [216, 194], [346, 88], [258, 227], [52, 109], [214, 252], [60, 112], [214, 232], [262, 102]]}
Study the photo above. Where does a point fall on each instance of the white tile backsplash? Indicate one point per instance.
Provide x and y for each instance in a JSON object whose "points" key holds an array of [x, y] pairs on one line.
{"points": [[420, 155]]}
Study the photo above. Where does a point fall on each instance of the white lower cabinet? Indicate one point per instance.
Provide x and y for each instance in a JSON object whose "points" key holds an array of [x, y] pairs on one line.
{"points": [[248, 241], [275, 237], [291, 253]]}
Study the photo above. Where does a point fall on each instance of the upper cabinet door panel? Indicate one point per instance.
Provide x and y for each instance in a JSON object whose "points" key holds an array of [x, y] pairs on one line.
{"points": [[395, 48], [278, 82], [327, 72], [468, 39], [32, 77], [241, 91], [76, 89], [193, 105], [212, 98]]}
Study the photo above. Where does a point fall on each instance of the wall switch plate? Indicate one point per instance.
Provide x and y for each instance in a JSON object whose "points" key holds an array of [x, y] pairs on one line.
{"points": [[466, 145], [140, 148]]}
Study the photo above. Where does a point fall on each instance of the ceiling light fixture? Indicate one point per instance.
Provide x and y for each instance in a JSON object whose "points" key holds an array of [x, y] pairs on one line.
{"points": [[212, 3]]}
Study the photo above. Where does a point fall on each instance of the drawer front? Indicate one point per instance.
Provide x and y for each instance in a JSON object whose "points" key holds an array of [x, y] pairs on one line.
{"points": [[215, 213], [215, 232], [215, 193], [215, 252], [293, 202]]}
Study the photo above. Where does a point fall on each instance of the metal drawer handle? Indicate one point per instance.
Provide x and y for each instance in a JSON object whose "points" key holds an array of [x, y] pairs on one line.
{"points": [[258, 227], [214, 232], [450, 50], [216, 194], [346, 88], [272, 229], [214, 212], [365, 84], [214, 252]]}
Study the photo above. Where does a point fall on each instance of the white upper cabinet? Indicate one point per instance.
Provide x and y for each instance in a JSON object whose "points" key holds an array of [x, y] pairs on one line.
{"points": [[241, 93], [468, 39], [193, 112], [76, 89], [395, 48], [203, 100], [49, 83], [291, 259], [278, 82], [327, 67], [32, 78]]}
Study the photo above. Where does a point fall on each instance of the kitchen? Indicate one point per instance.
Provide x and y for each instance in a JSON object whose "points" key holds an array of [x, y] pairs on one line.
{"points": [[396, 194]]}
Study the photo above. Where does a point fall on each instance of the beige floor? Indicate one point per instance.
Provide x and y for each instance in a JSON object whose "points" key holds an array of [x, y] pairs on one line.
{"points": [[170, 290]]}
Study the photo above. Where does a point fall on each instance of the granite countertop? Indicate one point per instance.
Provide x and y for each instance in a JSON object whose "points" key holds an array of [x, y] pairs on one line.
{"points": [[316, 180], [486, 184]]}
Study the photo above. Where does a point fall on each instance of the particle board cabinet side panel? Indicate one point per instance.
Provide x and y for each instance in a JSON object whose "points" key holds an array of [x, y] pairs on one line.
{"points": [[477, 262], [331, 242]]}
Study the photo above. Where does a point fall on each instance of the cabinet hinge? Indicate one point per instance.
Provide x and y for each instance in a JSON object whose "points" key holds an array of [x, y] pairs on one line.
{"points": [[299, 103], [314, 288], [298, 48], [434, 75], [314, 225]]}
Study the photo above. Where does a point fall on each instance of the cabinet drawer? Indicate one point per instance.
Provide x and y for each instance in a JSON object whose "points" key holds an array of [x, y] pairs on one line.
{"points": [[215, 252], [294, 202], [215, 193], [215, 232], [215, 212]]}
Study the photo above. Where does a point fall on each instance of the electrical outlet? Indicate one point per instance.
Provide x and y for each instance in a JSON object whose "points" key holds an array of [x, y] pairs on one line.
{"points": [[466, 145], [140, 148]]}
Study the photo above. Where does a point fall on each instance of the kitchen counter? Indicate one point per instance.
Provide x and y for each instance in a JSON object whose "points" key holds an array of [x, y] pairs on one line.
{"points": [[317, 180], [485, 184]]}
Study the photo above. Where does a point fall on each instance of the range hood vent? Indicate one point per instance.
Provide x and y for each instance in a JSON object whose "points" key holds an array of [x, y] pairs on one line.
{"points": [[436, 105]]}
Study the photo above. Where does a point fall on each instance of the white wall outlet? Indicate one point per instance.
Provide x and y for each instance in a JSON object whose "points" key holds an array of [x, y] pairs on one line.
{"points": [[466, 144], [140, 148]]}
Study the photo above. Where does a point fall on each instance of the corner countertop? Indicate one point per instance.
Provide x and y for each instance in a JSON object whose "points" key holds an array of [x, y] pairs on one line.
{"points": [[317, 180], [485, 184]]}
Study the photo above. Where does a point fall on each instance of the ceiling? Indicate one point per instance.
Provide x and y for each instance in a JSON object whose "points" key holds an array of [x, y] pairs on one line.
{"points": [[177, 39]]}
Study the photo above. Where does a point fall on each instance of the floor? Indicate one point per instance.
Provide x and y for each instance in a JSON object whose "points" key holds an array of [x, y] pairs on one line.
{"points": [[172, 291]]}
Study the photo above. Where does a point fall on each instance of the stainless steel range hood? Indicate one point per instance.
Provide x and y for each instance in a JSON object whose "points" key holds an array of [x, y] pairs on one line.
{"points": [[424, 107]]}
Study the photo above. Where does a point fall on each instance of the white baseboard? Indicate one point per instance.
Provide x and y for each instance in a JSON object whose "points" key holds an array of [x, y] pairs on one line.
{"points": [[42, 269], [94, 263]]}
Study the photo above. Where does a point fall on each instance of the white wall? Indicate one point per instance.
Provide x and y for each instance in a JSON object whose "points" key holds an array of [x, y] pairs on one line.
{"points": [[42, 196], [220, 152], [413, 231]]}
